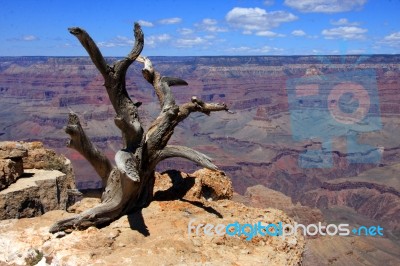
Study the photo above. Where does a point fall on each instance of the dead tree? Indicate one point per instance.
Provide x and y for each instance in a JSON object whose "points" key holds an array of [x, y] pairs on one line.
{"points": [[128, 185]]}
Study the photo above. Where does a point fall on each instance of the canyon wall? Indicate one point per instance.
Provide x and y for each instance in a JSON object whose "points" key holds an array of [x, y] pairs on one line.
{"points": [[256, 145]]}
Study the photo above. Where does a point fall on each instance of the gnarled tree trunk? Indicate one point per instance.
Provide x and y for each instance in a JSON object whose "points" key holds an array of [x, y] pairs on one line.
{"points": [[129, 184]]}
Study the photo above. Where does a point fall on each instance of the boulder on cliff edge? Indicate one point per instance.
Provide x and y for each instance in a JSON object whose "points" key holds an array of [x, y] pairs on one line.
{"points": [[36, 180]]}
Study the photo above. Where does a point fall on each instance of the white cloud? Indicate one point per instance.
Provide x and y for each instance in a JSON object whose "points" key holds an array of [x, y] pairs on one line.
{"points": [[29, 38], [252, 50], [268, 49], [215, 29], [257, 19], [190, 42], [269, 2], [241, 49], [347, 33], [168, 21], [209, 21], [325, 6], [154, 40], [25, 38], [145, 23], [121, 41], [268, 33], [337, 52], [185, 31], [209, 37], [298, 33], [117, 42], [392, 39], [343, 21], [210, 25], [107, 44]]}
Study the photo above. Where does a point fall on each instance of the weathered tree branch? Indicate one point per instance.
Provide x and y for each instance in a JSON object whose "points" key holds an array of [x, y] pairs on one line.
{"points": [[122, 66], [128, 164], [114, 200], [151, 76], [127, 119], [80, 142], [160, 83], [171, 114], [197, 105], [184, 152], [92, 49]]}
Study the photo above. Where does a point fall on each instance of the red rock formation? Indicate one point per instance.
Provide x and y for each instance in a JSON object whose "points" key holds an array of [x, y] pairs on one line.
{"points": [[259, 149]]}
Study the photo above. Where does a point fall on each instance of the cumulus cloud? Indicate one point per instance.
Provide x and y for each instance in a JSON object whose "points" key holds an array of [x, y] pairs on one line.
{"points": [[347, 33], [121, 41], [185, 31], [145, 23], [325, 6], [117, 42], [268, 33], [168, 21], [29, 38], [154, 40], [258, 51], [190, 42], [203, 34], [210, 25], [298, 33], [209, 21], [392, 39], [257, 19], [343, 21]]}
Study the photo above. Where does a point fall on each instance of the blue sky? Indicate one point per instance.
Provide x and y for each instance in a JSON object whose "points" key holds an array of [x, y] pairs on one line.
{"points": [[184, 27]]}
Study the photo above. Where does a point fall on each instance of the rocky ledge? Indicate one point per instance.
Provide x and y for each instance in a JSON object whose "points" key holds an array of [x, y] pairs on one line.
{"points": [[33, 180], [158, 234]]}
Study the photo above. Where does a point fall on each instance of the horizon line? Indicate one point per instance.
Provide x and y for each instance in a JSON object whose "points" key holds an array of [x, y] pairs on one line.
{"points": [[111, 56]]}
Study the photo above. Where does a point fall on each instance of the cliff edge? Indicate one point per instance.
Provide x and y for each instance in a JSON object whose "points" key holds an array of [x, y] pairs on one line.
{"points": [[171, 231]]}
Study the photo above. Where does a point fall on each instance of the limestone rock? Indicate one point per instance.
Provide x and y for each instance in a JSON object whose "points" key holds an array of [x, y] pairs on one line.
{"points": [[47, 159], [40, 188], [37, 193]]}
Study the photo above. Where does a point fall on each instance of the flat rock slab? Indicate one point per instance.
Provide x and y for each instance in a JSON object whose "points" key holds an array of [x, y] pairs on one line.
{"points": [[36, 192]]}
